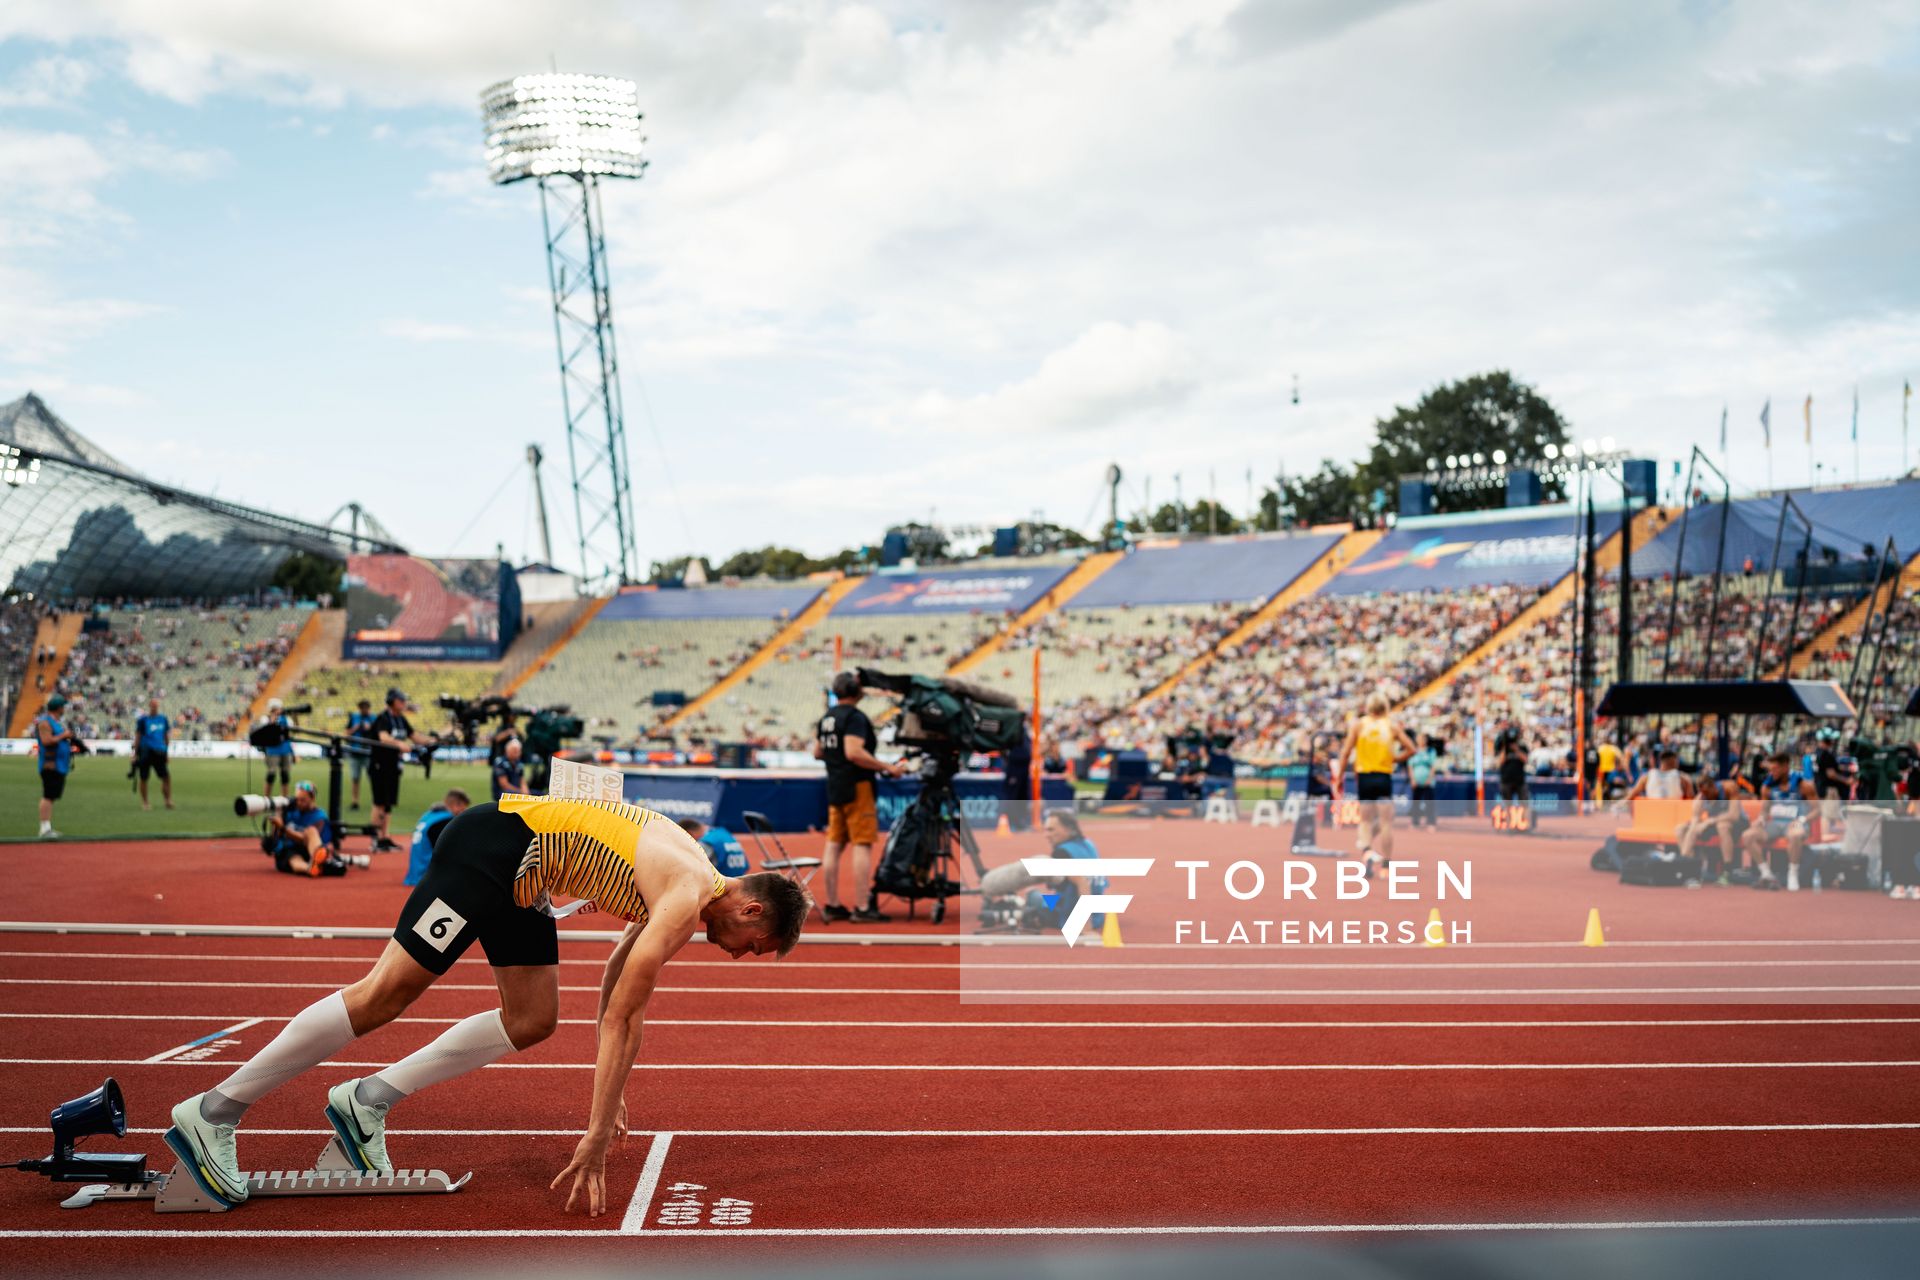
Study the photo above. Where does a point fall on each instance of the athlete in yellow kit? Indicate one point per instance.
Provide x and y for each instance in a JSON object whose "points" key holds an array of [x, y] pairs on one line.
{"points": [[496, 872], [1376, 744]]}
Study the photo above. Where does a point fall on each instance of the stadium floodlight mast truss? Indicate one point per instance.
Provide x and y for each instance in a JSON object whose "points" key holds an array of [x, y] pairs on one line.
{"points": [[566, 132]]}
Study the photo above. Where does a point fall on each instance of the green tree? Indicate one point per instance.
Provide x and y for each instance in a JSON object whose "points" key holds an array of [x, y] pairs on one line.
{"points": [[306, 576], [1327, 496], [1169, 519], [1477, 415]]}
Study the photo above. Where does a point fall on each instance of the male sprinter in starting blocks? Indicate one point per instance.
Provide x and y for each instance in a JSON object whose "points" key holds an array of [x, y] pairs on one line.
{"points": [[493, 877]]}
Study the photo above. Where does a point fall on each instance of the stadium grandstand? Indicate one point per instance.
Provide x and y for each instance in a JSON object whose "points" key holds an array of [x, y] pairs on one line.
{"points": [[83, 533], [121, 589], [647, 653], [912, 620]]}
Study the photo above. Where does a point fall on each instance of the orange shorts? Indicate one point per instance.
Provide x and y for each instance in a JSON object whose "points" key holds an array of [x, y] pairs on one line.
{"points": [[855, 822]]}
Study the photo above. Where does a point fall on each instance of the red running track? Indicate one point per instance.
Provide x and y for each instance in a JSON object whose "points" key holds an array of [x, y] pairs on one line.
{"points": [[850, 1100]]}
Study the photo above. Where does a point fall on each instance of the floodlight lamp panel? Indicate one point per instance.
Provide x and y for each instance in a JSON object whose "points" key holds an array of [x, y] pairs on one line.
{"points": [[541, 126]]}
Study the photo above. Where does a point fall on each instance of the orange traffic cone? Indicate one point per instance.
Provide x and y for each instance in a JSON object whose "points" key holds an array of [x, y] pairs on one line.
{"points": [[1004, 829]]}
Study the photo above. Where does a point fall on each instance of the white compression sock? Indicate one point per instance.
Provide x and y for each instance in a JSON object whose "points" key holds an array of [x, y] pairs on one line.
{"points": [[308, 1040], [461, 1048]]}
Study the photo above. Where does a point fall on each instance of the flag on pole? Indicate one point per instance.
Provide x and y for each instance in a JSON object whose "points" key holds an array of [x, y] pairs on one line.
{"points": [[1806, 413], [1766, 423], [1856, 415], [1723, 428]]}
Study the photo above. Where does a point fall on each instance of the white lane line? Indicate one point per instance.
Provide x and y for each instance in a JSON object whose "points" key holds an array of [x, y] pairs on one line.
{"points": [[635, 1218], [1303, 1024], [242, 1025], [1043, 1067], [1383, 1131], [833, 937], [1537, 994], [1282, 1229], [1063, 965]]}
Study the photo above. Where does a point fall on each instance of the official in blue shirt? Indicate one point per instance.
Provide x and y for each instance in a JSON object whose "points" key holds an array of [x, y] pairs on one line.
{"points": [[56, 759], [722, 847], [426, 833], [359, 745], [280, 756], [150, 734]]}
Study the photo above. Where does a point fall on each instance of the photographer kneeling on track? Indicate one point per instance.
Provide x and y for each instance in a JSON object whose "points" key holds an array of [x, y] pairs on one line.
{"points": [[392, 735], [1014, 898], [300, 838], [845, 740]]}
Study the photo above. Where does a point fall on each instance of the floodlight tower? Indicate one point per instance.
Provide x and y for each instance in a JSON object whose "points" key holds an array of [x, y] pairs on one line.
{"points": [[566, 132]]}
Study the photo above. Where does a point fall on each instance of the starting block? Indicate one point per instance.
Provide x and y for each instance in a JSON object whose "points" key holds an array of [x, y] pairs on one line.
{"points": [[124, 1175], [1221, 808], [1266, 813], [332, 1174]]}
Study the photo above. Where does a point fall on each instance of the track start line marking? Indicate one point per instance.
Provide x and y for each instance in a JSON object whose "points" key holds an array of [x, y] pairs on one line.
{"points": [[205, 1047], [682, 1205]]}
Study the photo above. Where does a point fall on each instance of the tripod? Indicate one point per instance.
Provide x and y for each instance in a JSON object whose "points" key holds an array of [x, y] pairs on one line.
{"points": [[920, 850], [334, 748]]}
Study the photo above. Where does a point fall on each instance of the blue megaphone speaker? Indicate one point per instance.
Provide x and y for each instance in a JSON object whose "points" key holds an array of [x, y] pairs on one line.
{"points": [[102, 1111]]}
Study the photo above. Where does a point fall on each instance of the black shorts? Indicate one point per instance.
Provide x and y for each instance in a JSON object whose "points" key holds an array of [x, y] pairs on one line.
{"points": [[1513, 789], [386, 786], [1374, 786], [152, 762], [53, 784], [467, 894]]}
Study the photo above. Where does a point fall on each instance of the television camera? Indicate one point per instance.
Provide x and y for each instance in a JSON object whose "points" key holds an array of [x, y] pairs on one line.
{"points": [[544, 734], [941, 721]]}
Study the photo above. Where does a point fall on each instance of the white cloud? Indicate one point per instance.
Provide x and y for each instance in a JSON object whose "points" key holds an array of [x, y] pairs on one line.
{"points": [[55, 82], [1105, 378], [1045, 234]]}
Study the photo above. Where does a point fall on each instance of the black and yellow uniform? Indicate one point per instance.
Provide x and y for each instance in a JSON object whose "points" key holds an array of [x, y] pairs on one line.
{"points": [[497, 867]]}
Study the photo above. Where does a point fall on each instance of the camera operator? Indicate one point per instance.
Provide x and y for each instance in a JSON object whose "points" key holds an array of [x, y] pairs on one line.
{"points": [[301, 840], [57, 744], [509, 775], [280, 754], [1017, 787], [845, 740], [509, 731], [359, 744], [392, 735], [426, 832], [150, 734]]}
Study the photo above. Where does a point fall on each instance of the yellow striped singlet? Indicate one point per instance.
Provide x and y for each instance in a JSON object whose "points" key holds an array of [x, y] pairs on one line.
{"points": [[1373, 748], [584, 849]]}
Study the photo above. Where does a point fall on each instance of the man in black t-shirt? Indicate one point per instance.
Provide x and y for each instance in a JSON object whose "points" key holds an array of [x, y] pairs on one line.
{"points": [[392, 735], [844, 739], [1830, 784]]}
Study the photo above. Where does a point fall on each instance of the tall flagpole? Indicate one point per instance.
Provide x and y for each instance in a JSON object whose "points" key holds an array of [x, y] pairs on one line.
{"points": [[1766, 437], [1806, 416], [1856, 434]]}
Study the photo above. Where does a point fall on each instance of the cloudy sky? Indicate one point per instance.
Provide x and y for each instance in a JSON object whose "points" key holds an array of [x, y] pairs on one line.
{"points": [[951, 258]]}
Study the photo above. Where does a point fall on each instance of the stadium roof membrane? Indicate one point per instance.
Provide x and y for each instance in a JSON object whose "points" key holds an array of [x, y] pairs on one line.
{"points": [[76, 522]]}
